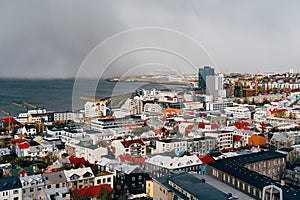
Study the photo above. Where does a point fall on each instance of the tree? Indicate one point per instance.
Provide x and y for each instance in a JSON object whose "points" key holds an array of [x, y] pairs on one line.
{"points": [[50, 158], [104, 194]]}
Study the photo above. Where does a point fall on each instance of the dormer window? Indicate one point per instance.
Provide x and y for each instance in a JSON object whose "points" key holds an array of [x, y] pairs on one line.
{"points": [[87, 174]]}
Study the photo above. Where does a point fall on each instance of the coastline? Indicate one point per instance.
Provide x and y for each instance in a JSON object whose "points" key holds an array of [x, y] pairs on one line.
{"points": [[148, 81]]}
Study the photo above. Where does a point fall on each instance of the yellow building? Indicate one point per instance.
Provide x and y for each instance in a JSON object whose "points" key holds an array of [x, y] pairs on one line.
{"points": [[149, 188]]}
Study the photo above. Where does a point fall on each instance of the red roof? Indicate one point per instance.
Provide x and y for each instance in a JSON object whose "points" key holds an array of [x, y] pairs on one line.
{"points": [[215, 126], [139, 160], [206, 159], [105, 144], [113, 150], [189, 128], [24, 145], [164, 119], [278, 111], [125, 158], [6, 120], [242, 125], [132, 125], [89, 192], [202, 126], [227, 149], [212, 126], [237, 137], [157, 131], [122, 158], [19, 140], [79, 162], [127, 143]]}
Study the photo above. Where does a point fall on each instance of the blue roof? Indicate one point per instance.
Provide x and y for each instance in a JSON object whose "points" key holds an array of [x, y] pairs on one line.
{"points": [[9, 184], [6, 150]]}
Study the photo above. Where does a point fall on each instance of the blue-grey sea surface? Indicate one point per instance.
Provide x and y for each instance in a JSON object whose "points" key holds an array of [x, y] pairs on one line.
{"points": [[56, 95]]}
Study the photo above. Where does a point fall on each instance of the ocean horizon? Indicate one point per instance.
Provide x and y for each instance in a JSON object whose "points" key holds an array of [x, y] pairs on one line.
{"points": [[57, 94]]}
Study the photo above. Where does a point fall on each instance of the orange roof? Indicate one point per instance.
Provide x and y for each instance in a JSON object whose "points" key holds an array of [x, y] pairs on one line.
{"points": [[171, 110], [257, 140]]}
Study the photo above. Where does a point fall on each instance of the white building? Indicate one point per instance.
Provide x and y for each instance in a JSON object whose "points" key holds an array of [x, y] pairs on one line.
{"points": [[89, 152], [91, 109], [224, 138], [152, 108], [100, 124], [214, 86], [158, 165], [104, 178], [221, 105], [108, 134], [196, 145], [64, 116], [31, 185], [79, 178], [136, 147], [238, 112], [136, 106]]}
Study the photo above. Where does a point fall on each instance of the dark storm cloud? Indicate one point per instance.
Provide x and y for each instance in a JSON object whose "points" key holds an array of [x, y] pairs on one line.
{"points": [[50, 39]]}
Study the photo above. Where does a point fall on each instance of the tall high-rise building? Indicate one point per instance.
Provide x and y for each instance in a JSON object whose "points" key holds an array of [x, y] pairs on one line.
{"points": [[215, 85], [203, 72]]}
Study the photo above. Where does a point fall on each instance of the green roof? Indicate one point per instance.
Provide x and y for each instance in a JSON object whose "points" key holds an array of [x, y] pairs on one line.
{"points": [[18, 170], [87, 145]]}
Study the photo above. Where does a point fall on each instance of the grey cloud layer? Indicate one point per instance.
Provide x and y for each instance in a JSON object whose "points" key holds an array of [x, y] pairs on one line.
{"points": [[50, 39]]}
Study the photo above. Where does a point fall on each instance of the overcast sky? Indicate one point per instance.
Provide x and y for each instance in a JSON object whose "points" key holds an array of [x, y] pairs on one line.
{"points": [[50, 39]]}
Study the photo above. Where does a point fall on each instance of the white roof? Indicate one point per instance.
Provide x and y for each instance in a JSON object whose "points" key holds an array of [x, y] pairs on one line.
{"points": [[176, 162], [80, 172]]}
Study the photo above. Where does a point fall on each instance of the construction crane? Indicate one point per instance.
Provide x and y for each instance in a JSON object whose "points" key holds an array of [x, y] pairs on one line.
{"points": [[98, 102], [30, 105], [22, 105], [256, 84], [17, 104], [39, 124], [9, 122]]}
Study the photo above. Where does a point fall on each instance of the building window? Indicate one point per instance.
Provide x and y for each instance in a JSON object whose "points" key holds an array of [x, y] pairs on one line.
{"points": [[248, 188], [133, 179], [31, 189], [99, 181], [16, 191], [243, 186], [238, 184], [140, 177], [108, 180]]}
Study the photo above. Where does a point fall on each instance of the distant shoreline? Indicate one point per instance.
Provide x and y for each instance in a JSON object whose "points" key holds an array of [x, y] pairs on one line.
{"points": [[148, 80]]}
